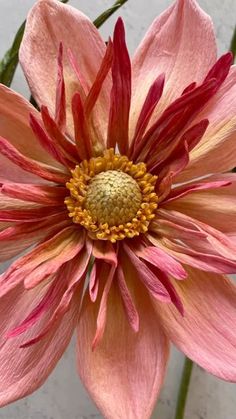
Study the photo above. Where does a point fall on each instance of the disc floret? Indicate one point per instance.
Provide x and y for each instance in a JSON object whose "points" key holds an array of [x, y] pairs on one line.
{"points": [[112, 197]]}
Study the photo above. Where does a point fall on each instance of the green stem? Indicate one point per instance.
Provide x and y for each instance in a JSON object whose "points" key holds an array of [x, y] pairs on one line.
{"points": [[105, 15], [184, 387], [233, 44]]}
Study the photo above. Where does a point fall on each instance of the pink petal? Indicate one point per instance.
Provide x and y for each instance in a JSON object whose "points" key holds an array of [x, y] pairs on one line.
{"points": [[203, 260], [210, 251], [44, 260], [58, 137], [161, 260], [81, 128], [94, 281], [60, 108], [98, 115], [144, 274], [129, 306], [168, 47], [216, 152], [176, 117], [44, 195], [14, 125], [17, 238], [164, 161], [215, 207], [22, 371], [175, 299], [104, 251], [184, 190], [153, 97], [72, 277], [121, 92], [47, 143], [29, 165], [112, 372], [108, 275], [206, 333], [50, 22]]}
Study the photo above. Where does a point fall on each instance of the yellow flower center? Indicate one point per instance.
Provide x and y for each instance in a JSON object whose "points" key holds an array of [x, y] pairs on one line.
{"points": [[112, 197]]}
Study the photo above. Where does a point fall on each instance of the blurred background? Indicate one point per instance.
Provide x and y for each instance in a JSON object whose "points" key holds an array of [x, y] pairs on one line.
{"points": [[63, 396]]}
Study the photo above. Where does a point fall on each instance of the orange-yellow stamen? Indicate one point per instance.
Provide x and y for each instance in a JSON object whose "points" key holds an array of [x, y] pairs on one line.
{"points": [[112, 197]]}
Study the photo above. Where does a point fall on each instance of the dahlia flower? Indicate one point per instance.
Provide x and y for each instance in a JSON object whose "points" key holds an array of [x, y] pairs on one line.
{"points": [[115, 193]]}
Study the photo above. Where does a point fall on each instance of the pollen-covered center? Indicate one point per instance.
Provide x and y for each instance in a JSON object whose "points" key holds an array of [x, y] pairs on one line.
{"points": [[113, 197]]}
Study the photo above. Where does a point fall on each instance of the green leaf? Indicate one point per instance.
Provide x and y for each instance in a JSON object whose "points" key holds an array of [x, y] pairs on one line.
{"points": [[233, 43], [10, 60], [105, 15]]}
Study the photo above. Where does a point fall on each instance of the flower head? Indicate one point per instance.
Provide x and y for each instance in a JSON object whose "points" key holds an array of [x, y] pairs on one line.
{"points": [[117, 183]]}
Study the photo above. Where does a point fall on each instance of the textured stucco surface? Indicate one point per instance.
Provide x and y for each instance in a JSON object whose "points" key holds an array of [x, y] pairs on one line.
{"points": [[63, 397]]}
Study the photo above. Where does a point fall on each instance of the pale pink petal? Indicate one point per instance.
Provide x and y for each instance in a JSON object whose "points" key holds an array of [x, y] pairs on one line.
{"points": [[47, 143], [70, 278], [144, 274], [161, 260], [105, 252], [15, 125], [22, 371], [183, 190], [49, 23], [216, 207], [108, 276], [15, 209], [94, 281], [125, 372], [17, 238], [179, 43], [44, 260], [40, 194], [14, 173], [206, 333], [216, 152], [212, 252], [127, 300], [41, 170]]}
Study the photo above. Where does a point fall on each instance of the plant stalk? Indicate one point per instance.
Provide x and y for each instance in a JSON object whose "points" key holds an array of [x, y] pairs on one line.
{"points": [[184, 388]]}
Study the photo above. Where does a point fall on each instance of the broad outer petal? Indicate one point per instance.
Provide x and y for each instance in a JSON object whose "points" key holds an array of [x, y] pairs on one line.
{"points": [[49, 23], [179, 43], [206, 333], [216, 207], [14, 126], [216, 152], [125, 372], [23, 370]]}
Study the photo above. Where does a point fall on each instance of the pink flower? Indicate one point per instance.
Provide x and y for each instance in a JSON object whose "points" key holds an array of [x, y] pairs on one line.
{"points": [[131, 246]]}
